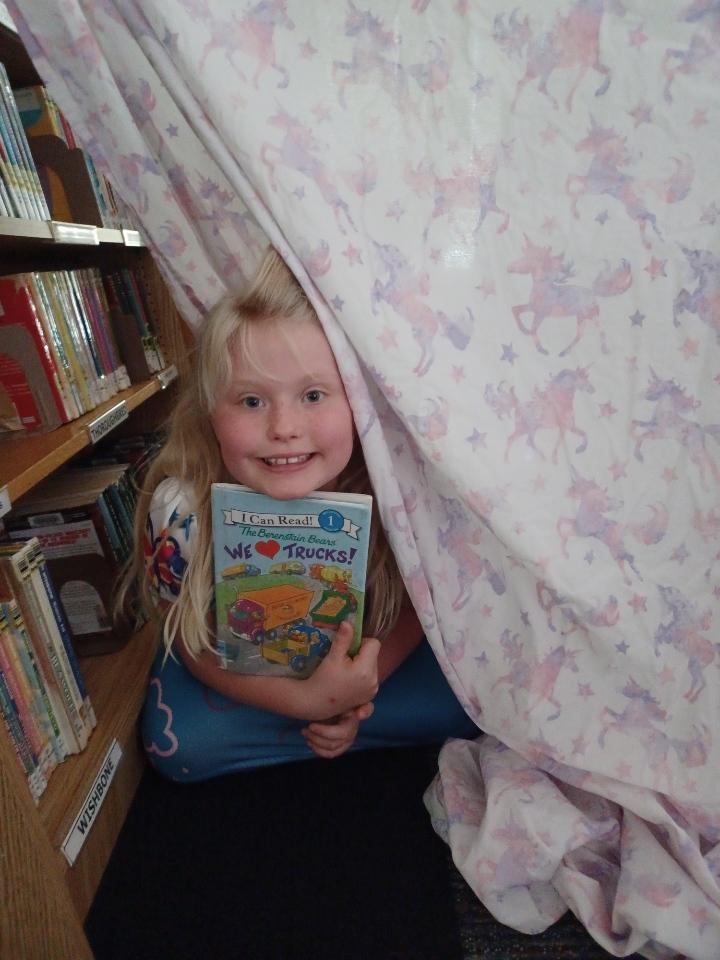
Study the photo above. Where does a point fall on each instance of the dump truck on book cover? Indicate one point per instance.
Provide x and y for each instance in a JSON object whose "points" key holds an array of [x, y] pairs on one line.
{"points": [[332, 607], [274, 619]]}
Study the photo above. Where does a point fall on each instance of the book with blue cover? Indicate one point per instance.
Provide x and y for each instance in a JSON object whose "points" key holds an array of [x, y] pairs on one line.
{"points": [[287, 573]]}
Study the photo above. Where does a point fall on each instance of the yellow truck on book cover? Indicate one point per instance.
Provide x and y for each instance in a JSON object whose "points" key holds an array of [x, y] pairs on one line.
{"points": [[287, 573]]}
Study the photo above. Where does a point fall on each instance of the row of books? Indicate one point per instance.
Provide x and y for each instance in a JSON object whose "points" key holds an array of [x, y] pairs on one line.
{"points": [[44, 702], [21, 194], [44, 175], [83, 520], [60, 163], [64, 548], [69, 340]]}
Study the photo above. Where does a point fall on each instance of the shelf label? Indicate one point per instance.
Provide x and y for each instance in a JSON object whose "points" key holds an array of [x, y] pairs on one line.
{"points": [[78, 832], [131, 238], [74, 233], [5, 503], [167, 376], [102, 425]]}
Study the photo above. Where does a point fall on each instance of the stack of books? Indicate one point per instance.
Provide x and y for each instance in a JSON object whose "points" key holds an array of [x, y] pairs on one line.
{"points": [[43, 699], [44, 175], [63, 168], [69, 340]]}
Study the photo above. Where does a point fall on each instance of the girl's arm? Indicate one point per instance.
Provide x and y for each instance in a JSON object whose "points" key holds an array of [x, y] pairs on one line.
{"points": [[400, 643], [339, 683]]}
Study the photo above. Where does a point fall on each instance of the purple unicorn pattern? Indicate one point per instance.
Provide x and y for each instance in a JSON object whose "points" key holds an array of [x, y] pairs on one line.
{"points": [[506, 216]]}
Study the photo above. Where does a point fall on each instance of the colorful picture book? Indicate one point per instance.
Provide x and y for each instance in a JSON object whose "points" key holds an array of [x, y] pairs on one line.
{"points": [[287, 573]]}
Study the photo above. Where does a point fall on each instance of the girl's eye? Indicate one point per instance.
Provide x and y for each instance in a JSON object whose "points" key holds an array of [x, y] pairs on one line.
{"points": [[251, 403], [314, 396]]}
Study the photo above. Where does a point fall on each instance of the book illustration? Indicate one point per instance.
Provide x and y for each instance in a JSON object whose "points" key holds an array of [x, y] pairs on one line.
{"points": [[278, 603]]}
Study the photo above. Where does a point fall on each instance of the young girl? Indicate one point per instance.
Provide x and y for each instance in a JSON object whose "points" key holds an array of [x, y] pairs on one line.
{"points": [[265, 406]]}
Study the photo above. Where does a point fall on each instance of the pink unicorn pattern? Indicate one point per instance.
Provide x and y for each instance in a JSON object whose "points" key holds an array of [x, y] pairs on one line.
{"points": [[591, 521], [371, 62], [573, 42], [298, 152], [669, 421], [552, 296], [704, 299], [639, 719], [250, 34], [549, 409], [470, 188], [598, 616], [703, 49], [610, 154], [684, 632], [402, 290], [534, 675], [458, 539]]}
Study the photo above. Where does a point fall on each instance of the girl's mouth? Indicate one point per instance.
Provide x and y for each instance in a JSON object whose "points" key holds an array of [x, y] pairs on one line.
{"points": [[293, 461]]}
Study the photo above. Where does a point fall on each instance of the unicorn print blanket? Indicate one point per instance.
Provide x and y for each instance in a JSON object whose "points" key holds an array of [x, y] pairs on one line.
{"points": [[507, 215]]}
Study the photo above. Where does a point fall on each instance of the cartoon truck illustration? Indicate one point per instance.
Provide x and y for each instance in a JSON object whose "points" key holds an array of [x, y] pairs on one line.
{"points": [[240, 570], [273, 618], [332, 607], [257, 614], [296, 645]]}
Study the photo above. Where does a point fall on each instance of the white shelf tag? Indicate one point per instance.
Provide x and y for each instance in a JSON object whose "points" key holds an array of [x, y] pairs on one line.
{"points": [[74, 233], [132, 238], [78, 832], [5, 502], [166, 376], [102, 425]]}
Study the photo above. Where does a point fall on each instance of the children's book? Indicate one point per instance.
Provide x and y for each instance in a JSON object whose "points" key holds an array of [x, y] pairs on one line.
{"points": [[287, 573]]}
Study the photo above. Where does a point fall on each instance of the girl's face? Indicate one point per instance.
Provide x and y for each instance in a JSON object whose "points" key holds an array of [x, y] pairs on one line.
{"points": [[284, 424]]}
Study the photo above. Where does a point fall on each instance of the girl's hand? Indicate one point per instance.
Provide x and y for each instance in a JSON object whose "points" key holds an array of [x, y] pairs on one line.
{"points": [[341, 682], [333, 737]]}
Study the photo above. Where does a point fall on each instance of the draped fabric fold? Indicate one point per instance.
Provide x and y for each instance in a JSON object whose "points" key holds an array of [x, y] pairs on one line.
{"points": [[507, 217]]}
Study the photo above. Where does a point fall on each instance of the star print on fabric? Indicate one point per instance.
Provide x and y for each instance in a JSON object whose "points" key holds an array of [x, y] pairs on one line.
{"points": [[477, 439], [508, 354], [637, 318]]}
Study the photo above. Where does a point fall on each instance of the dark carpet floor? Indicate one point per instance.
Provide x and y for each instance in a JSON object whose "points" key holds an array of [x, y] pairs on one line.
{"points": [[310, 861]]}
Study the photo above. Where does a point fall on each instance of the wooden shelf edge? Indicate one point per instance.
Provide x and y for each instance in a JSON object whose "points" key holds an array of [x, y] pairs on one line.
{"points": [[28, 460], [117, 684]]}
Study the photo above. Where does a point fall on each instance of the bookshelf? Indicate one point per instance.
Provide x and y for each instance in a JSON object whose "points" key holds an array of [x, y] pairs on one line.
{"points": [[44, 900]]}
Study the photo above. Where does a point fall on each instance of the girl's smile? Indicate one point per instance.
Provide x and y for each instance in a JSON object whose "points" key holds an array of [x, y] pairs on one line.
{"points": [[283, 424]]}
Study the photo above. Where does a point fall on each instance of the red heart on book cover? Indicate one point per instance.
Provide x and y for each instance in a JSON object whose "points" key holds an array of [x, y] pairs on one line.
{"points": [[268, 548]]}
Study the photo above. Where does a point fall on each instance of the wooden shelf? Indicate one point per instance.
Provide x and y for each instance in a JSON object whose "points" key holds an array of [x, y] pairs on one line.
{"points": [[25, 461], [117, 684]]}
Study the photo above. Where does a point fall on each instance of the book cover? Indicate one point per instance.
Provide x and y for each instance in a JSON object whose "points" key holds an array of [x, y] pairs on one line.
{"points": [[287, 573], [36, 355]]}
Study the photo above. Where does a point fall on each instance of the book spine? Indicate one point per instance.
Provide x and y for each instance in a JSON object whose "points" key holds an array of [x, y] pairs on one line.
{"points": [[17, 575], [42, 706], [35, 779], [11, 166], [53, 637], [46, 319], [37, 196], [93, 310], [19, 688], [59, 614], [73, 348], [44, 284], [79, 338], [102, 369]]}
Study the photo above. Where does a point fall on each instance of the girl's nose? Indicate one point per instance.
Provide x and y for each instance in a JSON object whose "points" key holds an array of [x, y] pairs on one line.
{"points": [[283, 423]]}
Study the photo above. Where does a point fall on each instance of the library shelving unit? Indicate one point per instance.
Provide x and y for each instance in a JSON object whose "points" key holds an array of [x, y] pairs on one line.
{"points": [[44, 900]]}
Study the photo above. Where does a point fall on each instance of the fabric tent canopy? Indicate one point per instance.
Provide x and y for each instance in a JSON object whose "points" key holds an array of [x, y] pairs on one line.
{"points": [[507, 219]]}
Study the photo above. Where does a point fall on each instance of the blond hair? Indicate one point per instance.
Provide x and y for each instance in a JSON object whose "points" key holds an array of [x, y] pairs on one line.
{"points": [[192, 455]]}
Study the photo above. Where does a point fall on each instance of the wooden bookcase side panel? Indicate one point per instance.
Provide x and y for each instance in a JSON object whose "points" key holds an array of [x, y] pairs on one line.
{"points": [[38, 919]]}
